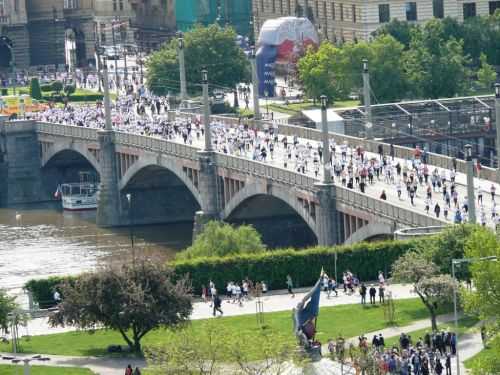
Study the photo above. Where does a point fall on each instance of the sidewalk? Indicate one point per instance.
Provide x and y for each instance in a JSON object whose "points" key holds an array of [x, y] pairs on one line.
{"points": [[277, 300]]}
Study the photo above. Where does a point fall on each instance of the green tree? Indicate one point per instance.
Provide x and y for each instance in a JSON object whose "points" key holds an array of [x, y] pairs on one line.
{"points": [[433, 288], [399, 30], [132, 299], [213, 47], [57, 87], [35, 91], [337, 71], [7, 306], [436, 66], [486, 75], [484, 300], [69, 89], [221, 239]]}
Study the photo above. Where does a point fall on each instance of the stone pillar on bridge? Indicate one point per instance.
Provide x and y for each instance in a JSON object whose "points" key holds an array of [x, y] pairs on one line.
{"points": [[208, 170], [108, 206], [328, 230]]}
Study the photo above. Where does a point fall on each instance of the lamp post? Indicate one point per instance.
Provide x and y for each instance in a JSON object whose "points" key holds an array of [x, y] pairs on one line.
{"points": [[266, 94], [470, 184], [367, 100], [131, 223], [497, 124], [182, 66], [255, 85], [456, 262], [327, 178], [107, 102], [206, 111], [8, 43], [113, 24]]}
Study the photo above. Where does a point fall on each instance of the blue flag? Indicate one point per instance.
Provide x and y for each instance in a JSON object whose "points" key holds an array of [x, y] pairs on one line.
{"points": [[312, 307]]}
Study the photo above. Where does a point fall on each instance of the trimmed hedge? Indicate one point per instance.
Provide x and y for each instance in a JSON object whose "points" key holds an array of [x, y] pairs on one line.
{"points": [[363, 259], [42, 290], [75, 97]]}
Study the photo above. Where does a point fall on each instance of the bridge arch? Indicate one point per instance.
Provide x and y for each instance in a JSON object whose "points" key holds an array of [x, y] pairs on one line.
{"points": [[244, 207], [369, 231], [75, 147], [160, 192], [142, 163]]}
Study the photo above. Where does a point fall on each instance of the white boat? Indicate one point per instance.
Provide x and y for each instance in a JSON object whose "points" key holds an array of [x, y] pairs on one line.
{"points": [[79, 196]]}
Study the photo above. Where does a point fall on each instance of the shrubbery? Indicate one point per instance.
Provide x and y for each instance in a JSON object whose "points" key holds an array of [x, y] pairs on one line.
{"points": [[364, 259]]}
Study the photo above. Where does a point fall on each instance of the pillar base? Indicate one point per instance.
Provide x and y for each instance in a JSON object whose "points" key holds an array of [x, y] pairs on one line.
{"points": [[326, 215], [200, 220]]}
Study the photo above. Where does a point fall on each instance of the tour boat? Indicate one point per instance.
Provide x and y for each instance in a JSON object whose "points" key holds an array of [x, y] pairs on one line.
{"points": [[79, 196]]}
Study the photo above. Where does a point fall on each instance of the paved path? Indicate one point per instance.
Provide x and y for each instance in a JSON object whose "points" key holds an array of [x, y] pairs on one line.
{"points": [[275, 301]]}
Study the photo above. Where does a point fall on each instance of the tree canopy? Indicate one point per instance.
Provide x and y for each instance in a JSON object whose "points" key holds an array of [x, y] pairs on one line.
{"points": [[433, 288], [212, 47], [484, 299], [220, 239], [133, 299], [7, 306]]}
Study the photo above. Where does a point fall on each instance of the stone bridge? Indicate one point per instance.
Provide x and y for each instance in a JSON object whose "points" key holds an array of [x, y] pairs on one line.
{"points": [[171, 182]]}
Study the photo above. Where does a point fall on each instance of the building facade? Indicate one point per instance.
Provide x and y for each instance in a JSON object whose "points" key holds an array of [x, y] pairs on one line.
{"points": [[350, 20], [41, 31]]}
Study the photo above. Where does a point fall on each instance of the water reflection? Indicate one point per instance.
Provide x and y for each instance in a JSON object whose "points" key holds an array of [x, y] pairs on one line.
{"points": [[46, 241]]}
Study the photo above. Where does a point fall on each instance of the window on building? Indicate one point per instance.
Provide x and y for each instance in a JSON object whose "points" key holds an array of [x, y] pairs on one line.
{"points": [[273, 6], [289, 7], [411, 11], [2, 8], [325, 11], [384, 13], [316, 8], [469, 10], [341, 12], [281, 6], [262, 6], [121, 4], [438, 8], [103, 33], [353, 9], [333, 11], [494, 5], [16, 6], [115, 6]]}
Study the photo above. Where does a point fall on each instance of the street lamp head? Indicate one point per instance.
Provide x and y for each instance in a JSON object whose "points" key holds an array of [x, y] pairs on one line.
{"points": [[204, 76], [365, 65], [497, 90], [324, 101], [180, 42], [252, 52], [129, 197]]}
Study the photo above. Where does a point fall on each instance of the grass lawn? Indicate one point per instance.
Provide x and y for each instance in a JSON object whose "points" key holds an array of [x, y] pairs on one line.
{"points": [[465, 325], [485, 354], [346, 320], [44, 370]]}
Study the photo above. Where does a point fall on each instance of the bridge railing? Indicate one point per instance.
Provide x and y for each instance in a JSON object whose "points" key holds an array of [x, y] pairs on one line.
{"points": [[265, 170], [383, 208], [401, 152], [157, 145], [67, 131]]}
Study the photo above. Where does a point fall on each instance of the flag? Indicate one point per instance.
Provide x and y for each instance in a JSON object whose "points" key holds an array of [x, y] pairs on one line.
{"points": [[57, 194], [311, 310]]}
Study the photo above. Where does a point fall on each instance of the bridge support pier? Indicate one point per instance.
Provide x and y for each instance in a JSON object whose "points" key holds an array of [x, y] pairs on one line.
{"points": [[108, 205], [208, 192], [326, 216]]}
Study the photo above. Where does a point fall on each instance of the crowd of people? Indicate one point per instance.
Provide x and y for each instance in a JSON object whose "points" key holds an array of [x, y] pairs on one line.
{"points": [[435, 191]]}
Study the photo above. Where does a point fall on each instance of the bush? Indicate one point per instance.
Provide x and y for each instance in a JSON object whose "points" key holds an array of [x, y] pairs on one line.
{"points": [[35, 91], [363, 259], [46, 88], [222, 239], [57, 86], [75, 98], [42, 290]]}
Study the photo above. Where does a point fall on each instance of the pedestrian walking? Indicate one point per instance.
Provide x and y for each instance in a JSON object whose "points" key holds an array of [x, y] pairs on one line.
{"points": [[217, 302], [128, 370], [289, 285]]}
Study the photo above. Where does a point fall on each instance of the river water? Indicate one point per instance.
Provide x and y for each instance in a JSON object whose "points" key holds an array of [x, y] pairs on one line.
{"points": [[46, 241]]}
